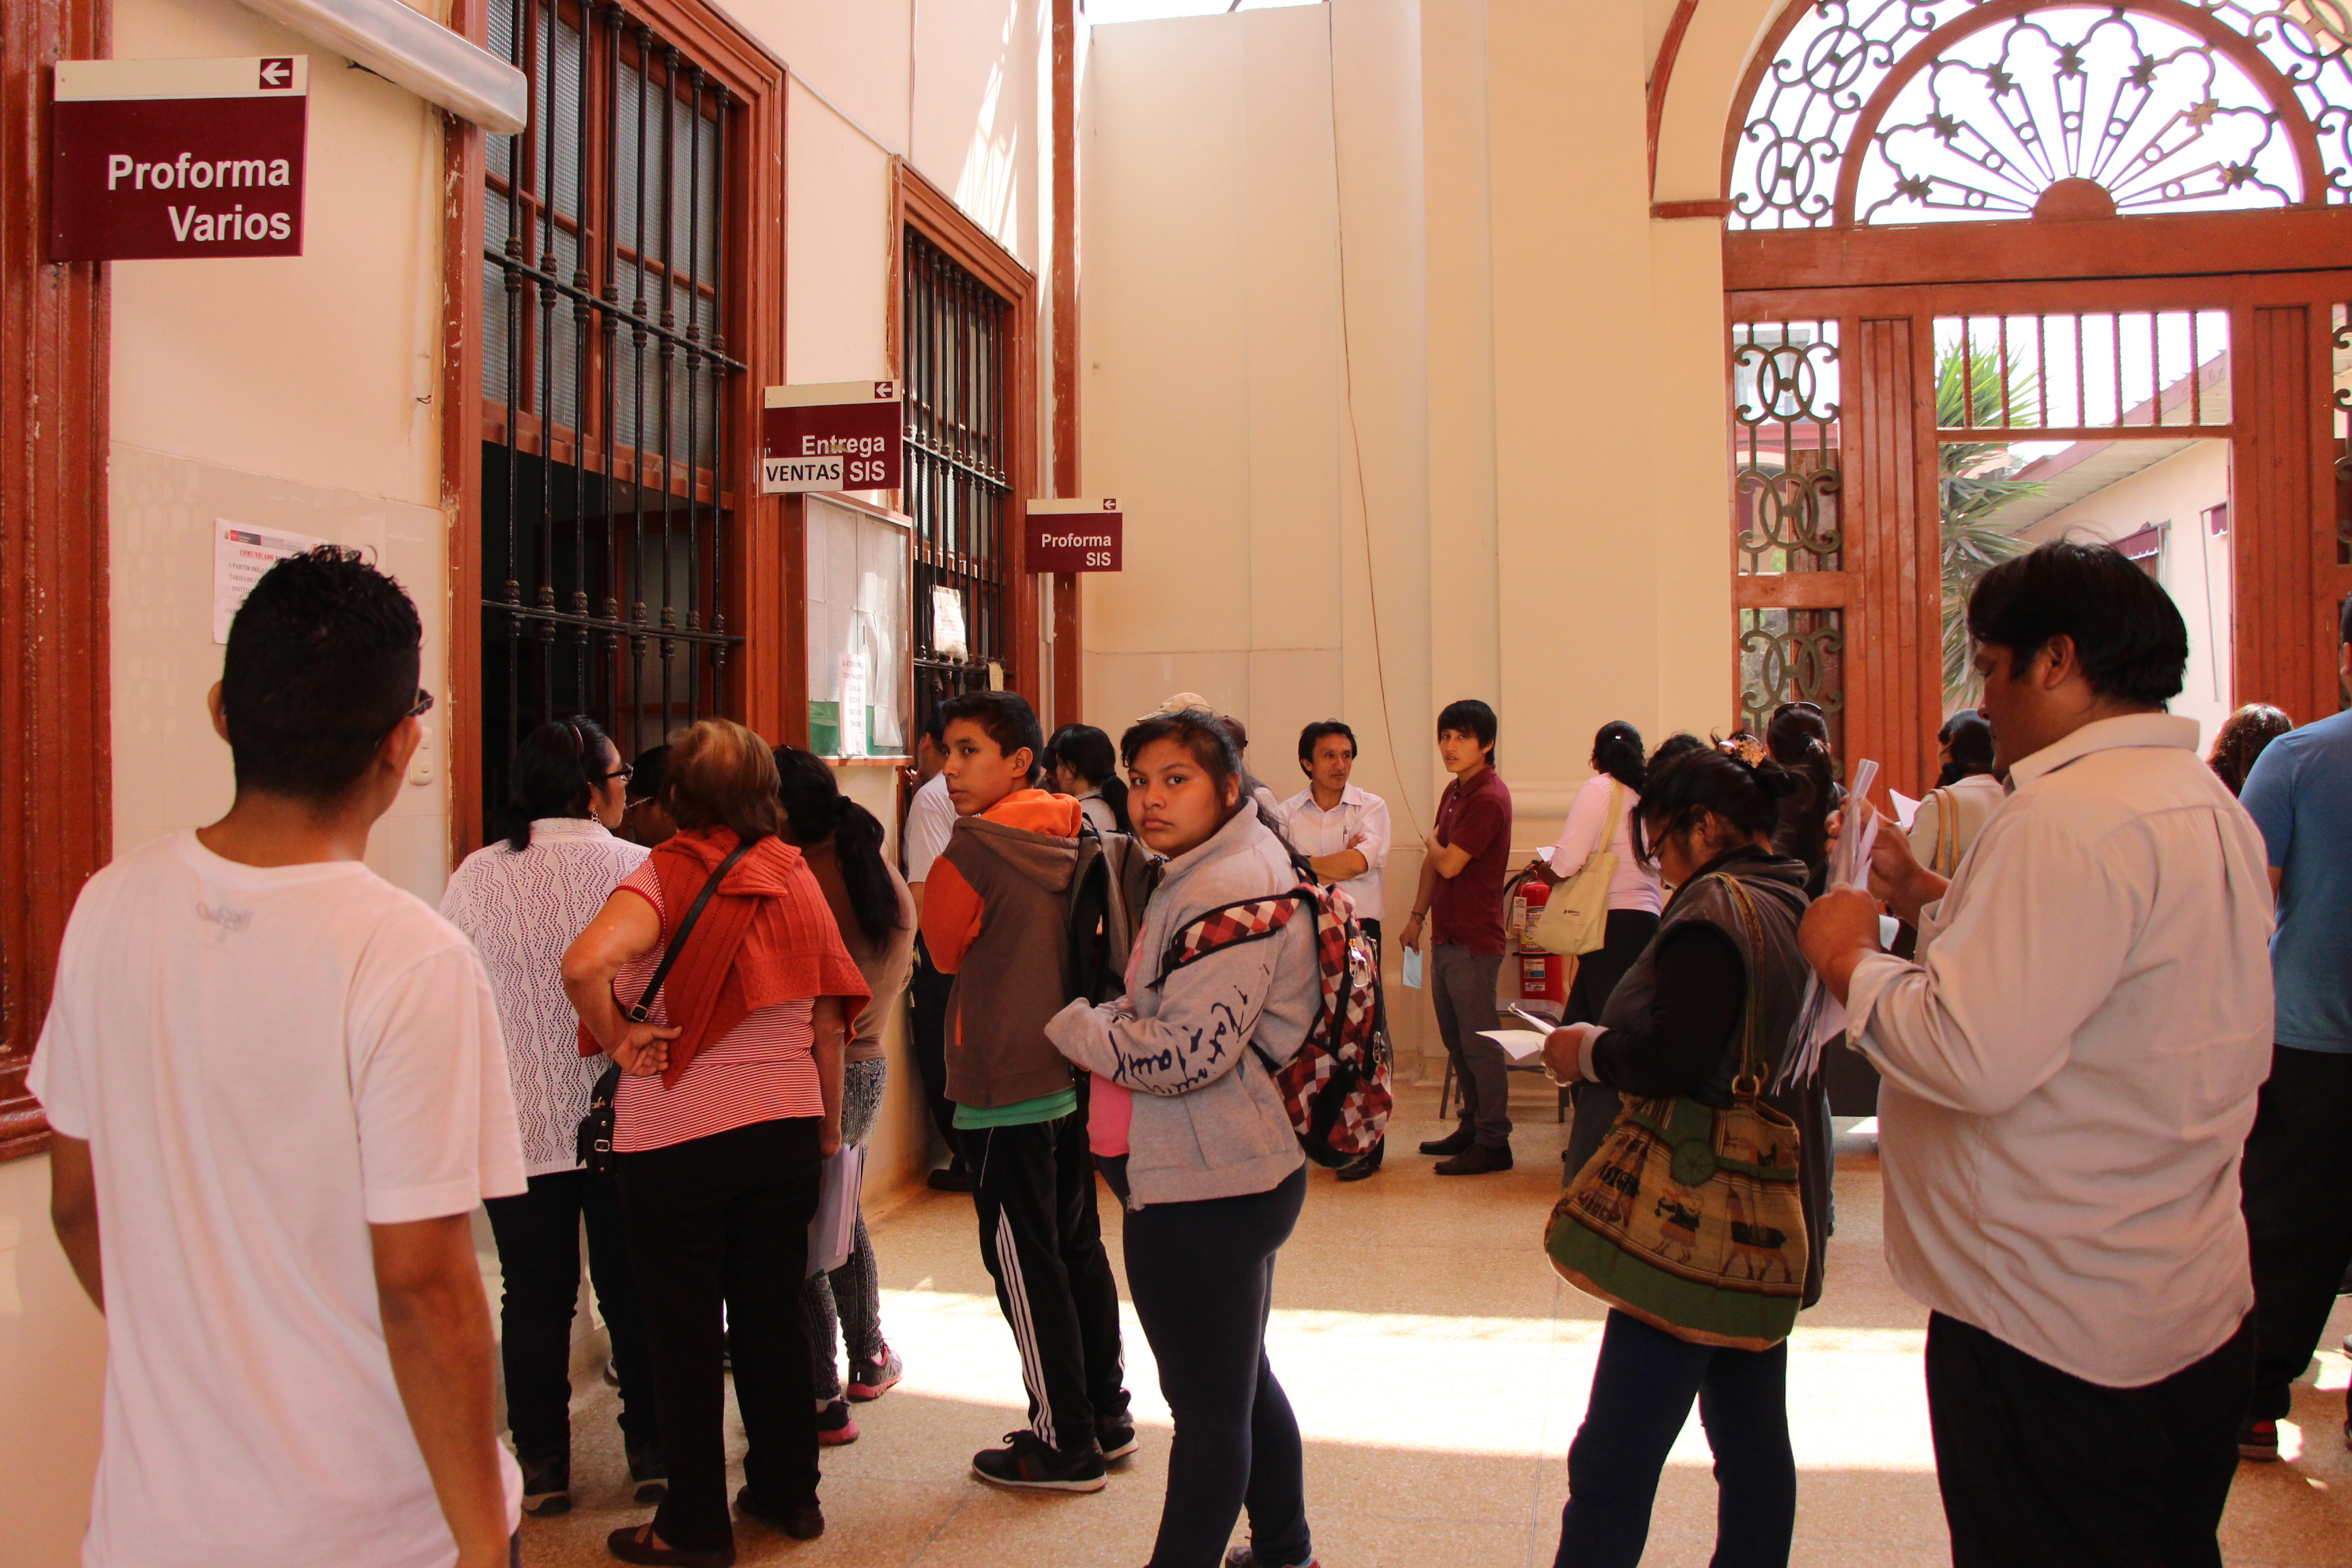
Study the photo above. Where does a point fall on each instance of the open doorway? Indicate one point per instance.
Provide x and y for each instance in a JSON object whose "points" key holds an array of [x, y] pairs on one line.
{"points": [[2112, 427]]}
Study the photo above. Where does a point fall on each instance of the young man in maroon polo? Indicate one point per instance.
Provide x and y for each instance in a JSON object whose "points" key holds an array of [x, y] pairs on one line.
{"points": [[1459, 905]]}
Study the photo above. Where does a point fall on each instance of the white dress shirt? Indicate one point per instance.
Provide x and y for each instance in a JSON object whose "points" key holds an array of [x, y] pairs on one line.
{"points": [[2070, 1068], [1315, 832], [930, 817]]}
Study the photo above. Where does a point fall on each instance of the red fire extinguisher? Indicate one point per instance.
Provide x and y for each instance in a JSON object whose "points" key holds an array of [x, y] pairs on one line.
{"points": [[1543, 975]]}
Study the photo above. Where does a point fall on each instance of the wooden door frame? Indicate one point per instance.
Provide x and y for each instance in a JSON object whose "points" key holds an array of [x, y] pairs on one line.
{"points": [[2282, 477], [919, 204], [762, 598], [55, 715]]}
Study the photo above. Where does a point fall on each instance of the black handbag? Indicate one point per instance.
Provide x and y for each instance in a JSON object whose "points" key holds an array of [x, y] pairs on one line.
{"points": [[594, 1141]]}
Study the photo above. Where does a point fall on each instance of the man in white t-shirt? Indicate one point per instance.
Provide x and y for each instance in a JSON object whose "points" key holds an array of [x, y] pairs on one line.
{"points": [[930, 817], [278, 1093], [1343, 831]]}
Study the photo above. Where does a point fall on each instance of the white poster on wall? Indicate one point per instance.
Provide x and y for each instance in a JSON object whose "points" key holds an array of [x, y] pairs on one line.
{"points": [[947, 639], [852, 705], [241, 553]]}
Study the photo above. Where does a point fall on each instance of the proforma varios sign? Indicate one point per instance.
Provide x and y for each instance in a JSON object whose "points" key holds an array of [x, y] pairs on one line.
{"points": [[831, 435], [166, 159], [1074, 535]]}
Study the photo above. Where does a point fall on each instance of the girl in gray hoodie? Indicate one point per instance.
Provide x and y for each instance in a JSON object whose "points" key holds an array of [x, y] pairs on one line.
{"points": [[1189, 1128]]}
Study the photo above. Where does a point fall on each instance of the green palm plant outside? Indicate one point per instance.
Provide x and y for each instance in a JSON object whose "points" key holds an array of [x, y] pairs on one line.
{"points": [[1971, 493]]}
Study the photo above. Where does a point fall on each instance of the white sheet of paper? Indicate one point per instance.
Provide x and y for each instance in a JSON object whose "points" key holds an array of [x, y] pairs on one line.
{"points": [[1519, 1044], [947, 639], [1906, 808], [1412, 967], [241, 553]]}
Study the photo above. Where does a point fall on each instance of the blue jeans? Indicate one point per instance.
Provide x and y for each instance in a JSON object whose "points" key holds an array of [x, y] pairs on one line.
{"points": [[1642, 1393]]}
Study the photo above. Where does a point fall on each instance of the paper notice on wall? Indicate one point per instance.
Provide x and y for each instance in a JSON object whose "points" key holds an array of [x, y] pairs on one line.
{"points": [[852, 705], [241, 553], [947, 639]]}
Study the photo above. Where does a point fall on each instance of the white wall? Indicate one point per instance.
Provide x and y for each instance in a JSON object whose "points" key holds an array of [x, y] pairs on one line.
{"points": [[52, 1367], [2194, 566], [292, 392]]}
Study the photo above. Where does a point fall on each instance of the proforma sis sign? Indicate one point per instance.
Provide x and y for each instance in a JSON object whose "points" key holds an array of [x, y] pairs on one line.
{"points": [[177, 158]]}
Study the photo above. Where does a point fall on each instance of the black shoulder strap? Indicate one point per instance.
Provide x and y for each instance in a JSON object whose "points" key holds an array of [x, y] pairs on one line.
{"points": [[678, 942]]}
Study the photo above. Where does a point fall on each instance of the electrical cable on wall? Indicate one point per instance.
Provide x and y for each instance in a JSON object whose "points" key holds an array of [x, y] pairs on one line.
{"points": [[1355, 438]]}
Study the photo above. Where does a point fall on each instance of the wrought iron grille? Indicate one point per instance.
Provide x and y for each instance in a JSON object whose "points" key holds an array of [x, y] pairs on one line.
{"points": [[608, 460], [2086, 109], [1788, 478], [2085, 370], [1784, 420], [2340, 374], [958, 469]]}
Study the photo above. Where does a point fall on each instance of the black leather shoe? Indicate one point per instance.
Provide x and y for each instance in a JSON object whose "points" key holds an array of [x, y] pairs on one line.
{"points": [[1476, 1160], [1454, 1143], [624, 1544], [805, 1522], [953, 1179]]}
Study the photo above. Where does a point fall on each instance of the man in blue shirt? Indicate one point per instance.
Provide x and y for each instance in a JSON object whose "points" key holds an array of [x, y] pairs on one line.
{"points": [[2298, 1192]]}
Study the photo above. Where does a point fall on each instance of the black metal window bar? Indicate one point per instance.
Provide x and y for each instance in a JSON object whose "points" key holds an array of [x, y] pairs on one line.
{"points": [[606, 379], [958, 458]]}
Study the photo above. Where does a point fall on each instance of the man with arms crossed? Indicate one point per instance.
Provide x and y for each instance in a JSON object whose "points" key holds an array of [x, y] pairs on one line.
{"points": [[1343, 831], [1461, 899], [2298, 1192], [2070, 1069], [279, 1093]]}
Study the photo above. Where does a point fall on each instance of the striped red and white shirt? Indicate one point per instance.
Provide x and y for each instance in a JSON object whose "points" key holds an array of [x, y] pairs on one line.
{"points": [[764, 1070]]}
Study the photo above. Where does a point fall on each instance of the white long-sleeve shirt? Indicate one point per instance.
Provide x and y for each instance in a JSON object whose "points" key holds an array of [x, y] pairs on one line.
{"points": [[1633, 886], [2070, 1067], [1315, 832]]}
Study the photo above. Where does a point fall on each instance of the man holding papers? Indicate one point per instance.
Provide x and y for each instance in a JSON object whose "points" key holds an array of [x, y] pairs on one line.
{"points": [[2071, 1068]]}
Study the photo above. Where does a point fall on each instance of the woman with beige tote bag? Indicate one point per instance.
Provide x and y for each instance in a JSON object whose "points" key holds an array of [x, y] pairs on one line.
{"points": [[1600, 831]]}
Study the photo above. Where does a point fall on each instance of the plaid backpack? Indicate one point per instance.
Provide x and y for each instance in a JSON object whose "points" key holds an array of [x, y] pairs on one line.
{"points": [[1337, 1088]]}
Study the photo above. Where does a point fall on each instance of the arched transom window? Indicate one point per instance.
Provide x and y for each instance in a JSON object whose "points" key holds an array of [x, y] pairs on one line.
{"points": [[1907, 111]]}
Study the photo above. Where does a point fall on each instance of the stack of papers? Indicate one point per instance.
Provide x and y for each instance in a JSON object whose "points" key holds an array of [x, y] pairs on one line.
{"points": [[1518, 1044]]}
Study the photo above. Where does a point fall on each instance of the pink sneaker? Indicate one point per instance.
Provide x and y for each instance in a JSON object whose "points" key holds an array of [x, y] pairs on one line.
{"points": [[834, 1426]]}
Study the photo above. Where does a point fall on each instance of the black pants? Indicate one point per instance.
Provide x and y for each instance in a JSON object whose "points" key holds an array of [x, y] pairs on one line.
{"points": [[2042, 1469], [1627, 932], [1202, 1274], [1642, 1393], [538, 1233], [2298, 1204], [1042, 1240], [725, 1219], [928, 990]]}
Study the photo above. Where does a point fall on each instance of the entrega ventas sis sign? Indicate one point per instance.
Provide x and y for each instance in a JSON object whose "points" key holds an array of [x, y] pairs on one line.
{"points": [[152, 159]]}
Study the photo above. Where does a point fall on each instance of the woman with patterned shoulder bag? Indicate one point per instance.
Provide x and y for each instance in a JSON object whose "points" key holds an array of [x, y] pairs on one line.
{"points": [[1702, 1218]]}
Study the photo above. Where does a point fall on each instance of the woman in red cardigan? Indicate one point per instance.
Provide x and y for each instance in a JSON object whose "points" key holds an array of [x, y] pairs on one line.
{"points": [[730, 1097]]}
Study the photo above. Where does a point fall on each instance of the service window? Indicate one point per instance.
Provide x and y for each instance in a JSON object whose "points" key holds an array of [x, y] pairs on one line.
{"points": [[860, 670]]}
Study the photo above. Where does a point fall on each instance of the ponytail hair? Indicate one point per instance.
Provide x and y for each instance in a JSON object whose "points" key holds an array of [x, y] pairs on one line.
{"points": [[1087, 753], [816, 811], [1798, 736], [555, 773], [1746, 793], [1617, 752]]}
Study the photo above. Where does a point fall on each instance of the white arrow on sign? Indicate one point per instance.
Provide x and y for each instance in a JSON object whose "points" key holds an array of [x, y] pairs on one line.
{"points": [[276, 73]]}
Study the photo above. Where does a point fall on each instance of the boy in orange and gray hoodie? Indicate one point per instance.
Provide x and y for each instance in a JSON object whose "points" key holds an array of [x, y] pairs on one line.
{"points": [[996, 915]]}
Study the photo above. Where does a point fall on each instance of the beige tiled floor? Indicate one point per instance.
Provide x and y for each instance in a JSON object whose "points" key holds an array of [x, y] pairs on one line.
{"points": [[1439, 1370]]}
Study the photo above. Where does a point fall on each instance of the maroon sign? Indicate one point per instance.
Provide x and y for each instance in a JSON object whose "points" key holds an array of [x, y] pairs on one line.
{"points": [[860, 422], [155, 159], [1074, 535]]}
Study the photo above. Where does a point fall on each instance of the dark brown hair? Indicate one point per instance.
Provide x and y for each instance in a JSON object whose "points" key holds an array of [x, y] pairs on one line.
{"points": [[2241, 740], [1204, 738], [722, 776]]}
